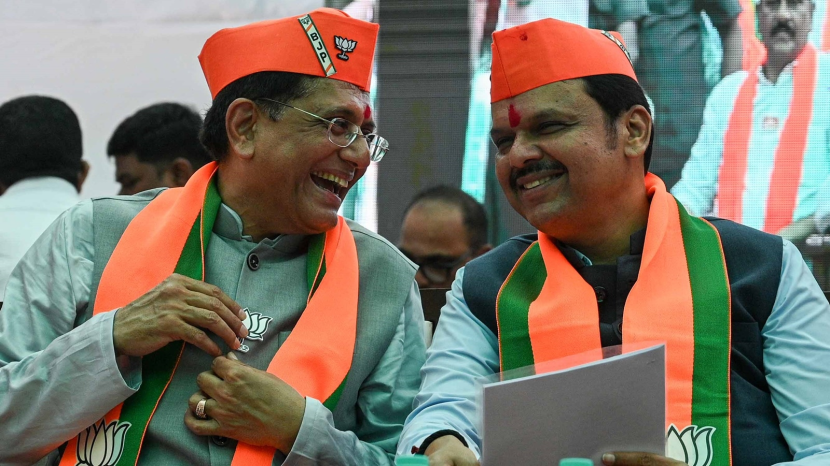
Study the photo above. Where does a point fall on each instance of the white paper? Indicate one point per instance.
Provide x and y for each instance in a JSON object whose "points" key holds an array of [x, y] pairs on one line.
{"points": [[614, 404]]}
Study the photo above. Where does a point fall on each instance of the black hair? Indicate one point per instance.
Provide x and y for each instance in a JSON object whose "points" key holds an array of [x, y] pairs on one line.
{"points": [[616, 93], [276, 85], [39, 136], [472, 212], [160, 133]]}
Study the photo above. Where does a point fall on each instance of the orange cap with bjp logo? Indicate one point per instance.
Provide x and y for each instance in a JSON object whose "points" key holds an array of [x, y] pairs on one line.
{"points": [[326, 43], [546, 51]]}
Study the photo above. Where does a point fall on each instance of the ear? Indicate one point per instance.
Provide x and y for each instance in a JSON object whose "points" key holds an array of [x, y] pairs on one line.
{"points": [[83, 174], [241, 124], [180, 171], [638, 126]]}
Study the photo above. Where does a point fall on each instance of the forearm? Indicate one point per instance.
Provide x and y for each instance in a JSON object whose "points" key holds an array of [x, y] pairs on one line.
{"points": [[383, 402], [49, 396], [320, 442], [730, 35], [462, 351]]}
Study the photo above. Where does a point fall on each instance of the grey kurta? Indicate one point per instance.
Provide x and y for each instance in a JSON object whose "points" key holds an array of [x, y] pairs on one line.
{"points": [[59, 374]]}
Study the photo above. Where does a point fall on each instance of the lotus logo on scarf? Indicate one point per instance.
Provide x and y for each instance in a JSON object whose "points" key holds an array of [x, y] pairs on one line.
{"points": [[256, 324], [693, 445], [101, 444]]}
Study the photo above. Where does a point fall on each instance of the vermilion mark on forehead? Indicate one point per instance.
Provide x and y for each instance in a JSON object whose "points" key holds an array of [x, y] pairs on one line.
{"points": [[367, 113], [514, 116]]}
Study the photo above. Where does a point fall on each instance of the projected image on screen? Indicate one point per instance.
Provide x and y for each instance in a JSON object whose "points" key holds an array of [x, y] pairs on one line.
{"points": [[738, 88]]}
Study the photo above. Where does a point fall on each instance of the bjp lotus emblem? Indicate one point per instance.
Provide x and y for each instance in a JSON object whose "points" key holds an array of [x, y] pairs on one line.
{"points": [[344, 46], [693, 445], [101, 444], [256, 324]]}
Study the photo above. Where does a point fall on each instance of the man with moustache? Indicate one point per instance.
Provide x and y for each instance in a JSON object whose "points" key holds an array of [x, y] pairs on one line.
{"points": [[618, 260], [115, 324], [762, 157]]}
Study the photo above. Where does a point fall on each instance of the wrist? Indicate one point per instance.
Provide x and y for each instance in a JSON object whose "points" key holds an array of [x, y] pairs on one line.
{"points": [[440, 439], [285, 441]]}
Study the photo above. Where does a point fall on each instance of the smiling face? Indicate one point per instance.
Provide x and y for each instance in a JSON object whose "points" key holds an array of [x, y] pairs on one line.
{"points": [[296, 177], [785, 26], [558, 163]]}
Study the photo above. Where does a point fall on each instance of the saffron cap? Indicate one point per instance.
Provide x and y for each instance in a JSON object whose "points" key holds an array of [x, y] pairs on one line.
{"points": [[546, 51], [325, 42]]}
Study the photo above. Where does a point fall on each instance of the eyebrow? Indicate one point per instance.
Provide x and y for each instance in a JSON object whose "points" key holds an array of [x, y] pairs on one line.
{"points": [[351, 114], [536, 117]]}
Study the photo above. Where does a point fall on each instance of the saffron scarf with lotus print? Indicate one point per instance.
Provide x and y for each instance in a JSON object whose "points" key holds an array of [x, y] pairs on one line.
{"points": [[171, 235], [681, 296]]}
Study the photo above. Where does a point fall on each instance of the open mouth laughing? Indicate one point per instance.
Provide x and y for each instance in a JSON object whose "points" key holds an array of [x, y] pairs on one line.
{"points": [[331, 183]]}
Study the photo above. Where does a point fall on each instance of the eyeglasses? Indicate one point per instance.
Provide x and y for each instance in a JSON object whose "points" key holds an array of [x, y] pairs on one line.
{"points": [[343, 133], [437, 269]]}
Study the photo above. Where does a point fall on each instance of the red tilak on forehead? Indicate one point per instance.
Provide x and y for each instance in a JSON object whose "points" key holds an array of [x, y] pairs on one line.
{"points": [[367, 113], [514, 116]]}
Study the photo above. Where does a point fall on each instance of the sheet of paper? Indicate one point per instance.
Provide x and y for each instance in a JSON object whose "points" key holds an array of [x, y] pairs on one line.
{"points": [[612, 404]]}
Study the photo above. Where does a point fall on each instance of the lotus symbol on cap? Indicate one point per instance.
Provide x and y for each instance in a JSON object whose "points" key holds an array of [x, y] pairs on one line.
{"points": [[101, 444], [693, 445], [345, 46], [256, 324]]}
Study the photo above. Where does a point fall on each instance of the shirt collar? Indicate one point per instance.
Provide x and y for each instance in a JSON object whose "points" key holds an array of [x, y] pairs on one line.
{"points": [[637, 242], [228, 225], [42, 183], [786, 74]]}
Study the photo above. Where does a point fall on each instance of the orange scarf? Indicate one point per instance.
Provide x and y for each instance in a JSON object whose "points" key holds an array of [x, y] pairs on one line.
{"points": [[789, 155], [174, 229]]}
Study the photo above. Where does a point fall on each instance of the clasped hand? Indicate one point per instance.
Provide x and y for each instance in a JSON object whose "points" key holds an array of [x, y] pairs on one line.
{"points": [[179, 308], [246, 404]]}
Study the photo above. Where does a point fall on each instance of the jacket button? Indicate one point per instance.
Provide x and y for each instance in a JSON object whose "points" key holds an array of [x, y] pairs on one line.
{"points": [[219, 441], [253, 262], [601, 293]]}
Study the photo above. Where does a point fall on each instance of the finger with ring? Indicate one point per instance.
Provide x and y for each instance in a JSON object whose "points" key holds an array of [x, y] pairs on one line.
{"points": [[200, 409]]}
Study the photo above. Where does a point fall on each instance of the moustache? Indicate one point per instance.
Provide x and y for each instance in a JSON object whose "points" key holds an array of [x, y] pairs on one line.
{"points": [[783, 27], [540, 166]]}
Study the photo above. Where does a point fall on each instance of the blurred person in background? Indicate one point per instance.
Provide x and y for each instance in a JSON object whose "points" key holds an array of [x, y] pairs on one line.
{"points": [[157, 147], [763, 155], [41, 172], [443, 229]]}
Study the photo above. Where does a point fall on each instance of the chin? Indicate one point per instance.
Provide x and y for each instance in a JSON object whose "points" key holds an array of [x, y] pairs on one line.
{"points": [[322, 224]]}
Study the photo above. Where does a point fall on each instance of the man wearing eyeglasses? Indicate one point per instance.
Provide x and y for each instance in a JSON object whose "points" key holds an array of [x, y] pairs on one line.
{"points": [[443, 229], [237, 320]]}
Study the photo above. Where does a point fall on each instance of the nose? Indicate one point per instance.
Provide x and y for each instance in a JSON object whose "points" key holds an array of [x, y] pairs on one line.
{"points": [[357, 153], [523, 151]]}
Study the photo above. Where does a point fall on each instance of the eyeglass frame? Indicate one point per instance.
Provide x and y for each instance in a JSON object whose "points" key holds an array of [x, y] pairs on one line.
{"points": [[376, 143], [444, 266]]}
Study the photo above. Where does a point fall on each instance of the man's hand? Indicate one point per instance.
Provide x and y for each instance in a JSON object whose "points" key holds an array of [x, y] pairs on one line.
{"points": [[628, 458], [449, 451], [179, 308], [246, 404]]}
